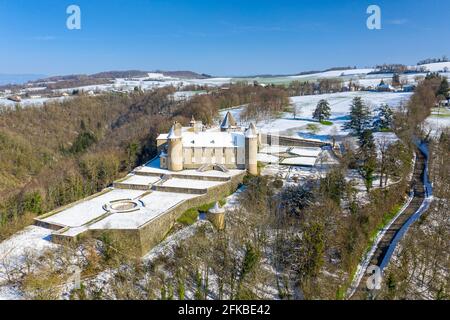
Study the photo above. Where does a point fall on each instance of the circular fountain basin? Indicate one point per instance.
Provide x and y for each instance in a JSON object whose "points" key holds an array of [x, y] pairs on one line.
{"points": [[124, 205]]}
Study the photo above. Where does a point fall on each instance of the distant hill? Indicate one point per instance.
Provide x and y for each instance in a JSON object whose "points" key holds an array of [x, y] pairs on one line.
{"points": [[303, 73], [16, 82], [109, 75], [18, 78], [120, 74], [185, 74]]}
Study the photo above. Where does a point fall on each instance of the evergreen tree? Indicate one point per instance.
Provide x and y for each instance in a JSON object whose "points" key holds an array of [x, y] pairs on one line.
{"points": [[385, 117], [322, 111], [396, 80], [367, 143], [443, 88], [367, 158], [360, 117]]}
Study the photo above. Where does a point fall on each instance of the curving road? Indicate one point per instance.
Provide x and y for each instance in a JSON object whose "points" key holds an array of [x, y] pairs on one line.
{"points": [[382, 250]]}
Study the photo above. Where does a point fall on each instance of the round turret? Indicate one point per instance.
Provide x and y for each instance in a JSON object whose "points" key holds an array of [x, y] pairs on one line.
{"points": [[251, 150], [216, 215], [175, 149]]}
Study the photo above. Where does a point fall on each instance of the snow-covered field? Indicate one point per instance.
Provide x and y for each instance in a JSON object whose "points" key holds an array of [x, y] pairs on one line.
{"points": [[438, 121], [153, 81], [437, 67], [30, 102], [303, 126], [336, 73]]}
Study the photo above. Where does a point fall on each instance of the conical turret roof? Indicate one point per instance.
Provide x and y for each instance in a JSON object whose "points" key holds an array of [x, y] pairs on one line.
{"points": [[216, 209], [228, 121], [172, 134], [251, 132]]}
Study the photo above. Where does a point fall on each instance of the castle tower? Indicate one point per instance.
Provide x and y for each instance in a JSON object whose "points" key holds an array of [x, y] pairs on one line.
{"points": [[216, 215], [192, 123], [175, 149], [251, 150], [177, 128]]}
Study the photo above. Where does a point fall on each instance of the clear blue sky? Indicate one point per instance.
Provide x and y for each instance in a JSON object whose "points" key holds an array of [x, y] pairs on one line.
{"points": [[217, 37]]}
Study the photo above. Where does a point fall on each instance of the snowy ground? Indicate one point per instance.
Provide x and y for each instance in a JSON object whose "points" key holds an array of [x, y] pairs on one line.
{"points": [[359, 76], [30, 243], [303, 126], [153, 81], [189, 183], [438, 121], [155, 204], [29, 102], [437, 67], [88, 210]]}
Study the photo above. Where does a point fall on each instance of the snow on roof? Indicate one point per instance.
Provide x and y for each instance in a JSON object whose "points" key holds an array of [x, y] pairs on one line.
{"points": [[162, 136], [216, 209], [251, 132], [213, 139], [228, 121], [306, 152], [171, 134], [153, 167], [300, 161]]}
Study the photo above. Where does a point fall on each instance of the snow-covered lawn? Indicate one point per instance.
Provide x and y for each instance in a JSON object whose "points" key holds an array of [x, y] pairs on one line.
{"points": [[88, 210], [267, 158], [340, 102], [303, 125], [437, 67], [438, 121], [140, 180], [155, 204], [30, 102], [335, 73], [190, 183]]}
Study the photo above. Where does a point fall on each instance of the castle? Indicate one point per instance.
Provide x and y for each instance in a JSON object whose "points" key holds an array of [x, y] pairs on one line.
{"points": [[195, 147]]}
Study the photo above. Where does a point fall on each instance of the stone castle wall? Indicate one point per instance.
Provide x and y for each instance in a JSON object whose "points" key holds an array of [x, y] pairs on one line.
{"points": [[141, 240], [154, 231]]}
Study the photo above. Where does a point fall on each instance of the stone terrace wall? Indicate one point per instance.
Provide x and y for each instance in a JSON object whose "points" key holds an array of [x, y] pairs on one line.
{"points": [[120, 185], [154, 231], [180, 190]]}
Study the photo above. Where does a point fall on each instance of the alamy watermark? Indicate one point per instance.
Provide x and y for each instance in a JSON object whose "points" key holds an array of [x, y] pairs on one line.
{"points": [[374, 280], [75, 277], [73, 22], [374, 20]]}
